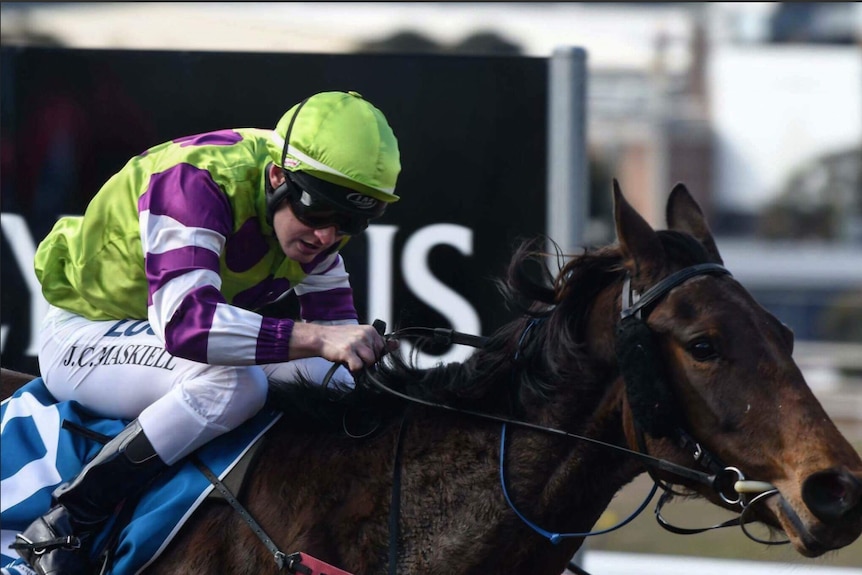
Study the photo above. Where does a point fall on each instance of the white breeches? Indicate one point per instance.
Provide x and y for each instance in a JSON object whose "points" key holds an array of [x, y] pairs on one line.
{"points": [[120, 369]]}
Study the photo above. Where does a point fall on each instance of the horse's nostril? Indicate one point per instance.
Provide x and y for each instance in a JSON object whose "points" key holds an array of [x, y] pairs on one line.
{"points": [[833, 494]]}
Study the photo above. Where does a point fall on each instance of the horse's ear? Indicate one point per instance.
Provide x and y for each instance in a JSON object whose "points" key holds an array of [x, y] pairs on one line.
{"points": [[643, 254], [684, 215]]}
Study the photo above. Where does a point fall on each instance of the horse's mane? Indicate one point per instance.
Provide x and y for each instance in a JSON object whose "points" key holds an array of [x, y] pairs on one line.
{"points": [[492, 379]]}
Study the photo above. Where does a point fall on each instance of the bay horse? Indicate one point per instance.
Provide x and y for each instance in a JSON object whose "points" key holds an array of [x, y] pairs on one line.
{"points": [[645, 355]]}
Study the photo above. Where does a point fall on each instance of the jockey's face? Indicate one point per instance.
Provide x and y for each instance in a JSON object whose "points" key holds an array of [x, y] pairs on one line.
{"points": [[298, 241]]}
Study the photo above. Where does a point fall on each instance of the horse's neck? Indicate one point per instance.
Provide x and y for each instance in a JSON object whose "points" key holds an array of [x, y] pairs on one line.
{"points": [[561, 484], [597, 471], [450, 476], [579, 477]]}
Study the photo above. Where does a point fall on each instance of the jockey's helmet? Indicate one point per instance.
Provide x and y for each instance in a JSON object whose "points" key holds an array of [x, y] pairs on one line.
{"points": [[339, 153], [342, 139]]}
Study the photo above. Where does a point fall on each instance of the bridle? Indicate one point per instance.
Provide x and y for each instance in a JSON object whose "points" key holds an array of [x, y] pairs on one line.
{"points": [[732, 490], [728, 482]]}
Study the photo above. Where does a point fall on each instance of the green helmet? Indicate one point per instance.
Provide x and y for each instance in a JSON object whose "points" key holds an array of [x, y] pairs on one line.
{"points": [[340, 138]]}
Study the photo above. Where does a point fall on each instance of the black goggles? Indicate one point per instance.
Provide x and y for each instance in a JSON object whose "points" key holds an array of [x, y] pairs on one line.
{"points": [[316, 210]]}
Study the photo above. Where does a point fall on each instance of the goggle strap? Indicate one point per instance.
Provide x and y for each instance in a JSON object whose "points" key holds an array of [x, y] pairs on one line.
{"points": [[289, 130]]}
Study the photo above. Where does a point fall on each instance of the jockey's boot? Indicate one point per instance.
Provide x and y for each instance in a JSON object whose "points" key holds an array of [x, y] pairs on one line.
{"points": [[122, 469]]}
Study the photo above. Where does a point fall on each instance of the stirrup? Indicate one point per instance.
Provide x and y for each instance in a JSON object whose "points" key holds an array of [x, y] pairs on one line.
{"points": [[70, 542]]}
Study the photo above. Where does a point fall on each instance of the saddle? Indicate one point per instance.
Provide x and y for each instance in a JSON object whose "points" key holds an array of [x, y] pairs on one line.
{"points": [[54, 440]]}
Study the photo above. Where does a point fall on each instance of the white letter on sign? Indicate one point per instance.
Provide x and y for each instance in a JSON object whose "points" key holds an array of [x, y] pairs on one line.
{"points": [[435, 293], [18, 235]]}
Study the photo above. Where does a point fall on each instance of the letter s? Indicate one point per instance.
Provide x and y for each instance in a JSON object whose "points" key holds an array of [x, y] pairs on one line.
{"points": [[435, 293]]}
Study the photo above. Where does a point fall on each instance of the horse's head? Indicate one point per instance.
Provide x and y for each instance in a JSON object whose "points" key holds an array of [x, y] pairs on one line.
{"points": [[721, 369]]}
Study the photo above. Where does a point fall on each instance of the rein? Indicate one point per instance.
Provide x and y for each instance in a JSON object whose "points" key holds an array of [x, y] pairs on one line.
{"points": [[719, 482], [722, 480], [682, 471]]}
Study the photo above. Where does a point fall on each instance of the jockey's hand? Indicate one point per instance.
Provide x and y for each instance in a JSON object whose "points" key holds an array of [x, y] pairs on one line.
{"points": [[356, 346]]}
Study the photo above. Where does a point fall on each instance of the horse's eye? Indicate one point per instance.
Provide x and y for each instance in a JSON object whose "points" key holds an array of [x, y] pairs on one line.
{"points": [[702, 350]]}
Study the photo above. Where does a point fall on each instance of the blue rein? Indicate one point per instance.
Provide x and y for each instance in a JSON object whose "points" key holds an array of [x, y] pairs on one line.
{"points": [[555, 538]]}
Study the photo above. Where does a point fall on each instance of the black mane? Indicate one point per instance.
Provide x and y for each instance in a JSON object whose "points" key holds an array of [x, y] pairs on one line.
{"points": [[492, 380]]}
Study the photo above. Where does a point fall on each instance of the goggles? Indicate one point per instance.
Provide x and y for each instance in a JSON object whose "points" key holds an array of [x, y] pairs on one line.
{"points": [[316, 210]]}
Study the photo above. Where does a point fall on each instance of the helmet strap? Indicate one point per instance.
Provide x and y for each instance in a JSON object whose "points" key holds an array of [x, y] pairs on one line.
{"points": [[274, 197], [289, 130]]}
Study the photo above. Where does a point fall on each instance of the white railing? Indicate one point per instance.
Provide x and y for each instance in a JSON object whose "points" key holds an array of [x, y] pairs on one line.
{"points": [[825, 366], [611, 563], [828, 354]]}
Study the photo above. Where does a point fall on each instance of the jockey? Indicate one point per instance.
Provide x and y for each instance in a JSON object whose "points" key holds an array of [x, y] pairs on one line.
{"points": [[153, 293]]}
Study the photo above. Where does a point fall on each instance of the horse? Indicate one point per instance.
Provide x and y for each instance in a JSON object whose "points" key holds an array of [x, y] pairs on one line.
{"points": [[641, 356]]}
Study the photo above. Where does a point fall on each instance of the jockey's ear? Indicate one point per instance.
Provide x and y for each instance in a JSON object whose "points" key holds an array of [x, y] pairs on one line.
{"points": [[684, 215], [275, 175], [643, 254]]}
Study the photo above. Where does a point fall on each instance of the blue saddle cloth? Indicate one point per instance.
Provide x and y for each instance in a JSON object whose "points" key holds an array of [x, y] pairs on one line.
{"points": [[38, 454]]}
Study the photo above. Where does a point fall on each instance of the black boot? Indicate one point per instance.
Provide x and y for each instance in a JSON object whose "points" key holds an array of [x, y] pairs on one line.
{"points": [[122, 469]]}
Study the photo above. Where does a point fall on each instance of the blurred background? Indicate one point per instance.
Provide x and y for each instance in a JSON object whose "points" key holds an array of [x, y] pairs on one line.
{"points": [[755, 106]]}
